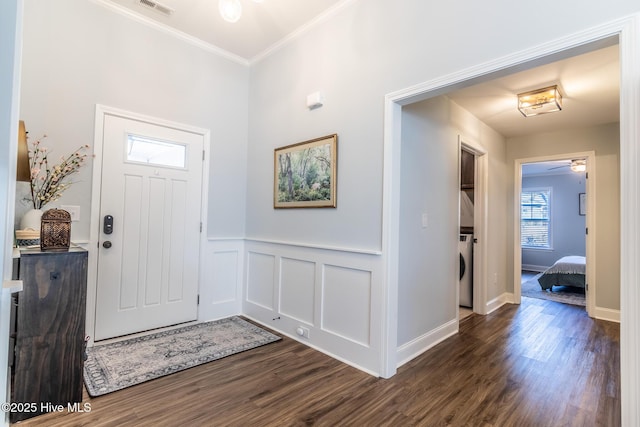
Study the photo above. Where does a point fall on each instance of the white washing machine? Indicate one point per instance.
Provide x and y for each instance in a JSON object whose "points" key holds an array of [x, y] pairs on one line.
{"points": [[465, 246]]}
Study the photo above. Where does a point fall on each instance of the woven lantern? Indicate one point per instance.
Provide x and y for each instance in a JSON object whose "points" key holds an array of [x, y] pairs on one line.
{"points": [[55, 230]]}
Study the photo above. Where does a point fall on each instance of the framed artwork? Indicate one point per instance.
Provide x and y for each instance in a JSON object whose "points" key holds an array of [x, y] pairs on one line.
{"points": [[305, 174], [582, 203]]}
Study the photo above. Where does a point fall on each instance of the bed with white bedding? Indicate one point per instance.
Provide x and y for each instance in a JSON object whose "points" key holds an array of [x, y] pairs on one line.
{"points": [[567, 271]]}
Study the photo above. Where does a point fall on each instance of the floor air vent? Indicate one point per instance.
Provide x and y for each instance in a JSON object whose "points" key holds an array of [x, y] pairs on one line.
{"points": [[166, 10]]}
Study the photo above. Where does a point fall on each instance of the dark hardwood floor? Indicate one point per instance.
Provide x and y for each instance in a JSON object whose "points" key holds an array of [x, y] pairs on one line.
{"points": [[537, 364]]}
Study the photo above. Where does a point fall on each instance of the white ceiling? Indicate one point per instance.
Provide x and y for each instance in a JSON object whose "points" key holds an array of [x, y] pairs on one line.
{"points": [[589, 82], [261, 26]]}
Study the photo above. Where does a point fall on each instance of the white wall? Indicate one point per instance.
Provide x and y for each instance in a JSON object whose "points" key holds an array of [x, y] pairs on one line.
{"points": [[370, 49], [430, 184], [567, 225], [78, 54], [605, 141]]}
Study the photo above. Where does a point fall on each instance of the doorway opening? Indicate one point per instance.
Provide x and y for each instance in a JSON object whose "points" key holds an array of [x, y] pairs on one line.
{"points": [[555, 229], [148, 198], [395, 103], [465, 245], [473, 227]]}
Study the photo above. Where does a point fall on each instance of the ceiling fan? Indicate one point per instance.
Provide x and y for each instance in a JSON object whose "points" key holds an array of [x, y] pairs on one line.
{"points": [[576, 165]]}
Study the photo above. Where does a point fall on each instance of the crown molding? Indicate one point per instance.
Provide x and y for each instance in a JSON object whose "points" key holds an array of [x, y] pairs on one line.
{"points": [[194, 41], [297, 33]]}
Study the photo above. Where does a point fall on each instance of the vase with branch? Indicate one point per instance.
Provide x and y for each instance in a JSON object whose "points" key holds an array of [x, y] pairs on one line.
{"points": [[48, 182]]}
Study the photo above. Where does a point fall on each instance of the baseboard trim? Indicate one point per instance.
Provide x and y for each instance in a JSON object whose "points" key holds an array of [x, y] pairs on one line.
{"points": [[537, 268], [607, 314], [496, 303], [315, 347], [416, 347], [600, 313]]}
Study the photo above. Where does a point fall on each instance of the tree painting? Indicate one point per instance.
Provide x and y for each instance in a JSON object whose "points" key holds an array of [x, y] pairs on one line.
{"points": [[305, 174]]}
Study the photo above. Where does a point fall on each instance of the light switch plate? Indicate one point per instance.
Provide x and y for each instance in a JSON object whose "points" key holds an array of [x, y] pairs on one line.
{"points": [[73, 210]]}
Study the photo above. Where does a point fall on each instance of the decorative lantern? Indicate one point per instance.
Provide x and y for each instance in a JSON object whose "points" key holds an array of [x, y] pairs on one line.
{"points": [[55, 230]]}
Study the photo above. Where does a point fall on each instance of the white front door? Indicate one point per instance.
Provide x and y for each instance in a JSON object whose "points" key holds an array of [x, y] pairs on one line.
{"points": [[150, 227]]}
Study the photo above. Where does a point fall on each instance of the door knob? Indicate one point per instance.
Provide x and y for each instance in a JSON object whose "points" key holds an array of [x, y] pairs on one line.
{"points": [[106, 244]]}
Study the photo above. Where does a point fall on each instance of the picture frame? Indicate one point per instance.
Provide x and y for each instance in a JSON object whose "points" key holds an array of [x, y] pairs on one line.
{"points": [[582, 204], [305, 174]]}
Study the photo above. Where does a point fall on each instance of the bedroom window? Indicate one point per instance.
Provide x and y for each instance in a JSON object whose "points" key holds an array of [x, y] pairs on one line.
{"points": [[535, 222]]}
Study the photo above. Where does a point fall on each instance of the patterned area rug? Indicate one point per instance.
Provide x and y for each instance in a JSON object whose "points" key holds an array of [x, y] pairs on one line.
{"points": [[118, 365], [564, 294]]}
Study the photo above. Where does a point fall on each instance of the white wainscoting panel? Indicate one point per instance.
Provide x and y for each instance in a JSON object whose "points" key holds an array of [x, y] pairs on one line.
{"points": [[224, 268], [297, 289], [335, 295], [346, 305], [261, 269], [221, 279]]}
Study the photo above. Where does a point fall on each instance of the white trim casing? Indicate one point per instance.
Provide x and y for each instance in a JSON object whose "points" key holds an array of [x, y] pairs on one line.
{"points": [[480, 223], [629, 31], [11, 17], [390, 235]]}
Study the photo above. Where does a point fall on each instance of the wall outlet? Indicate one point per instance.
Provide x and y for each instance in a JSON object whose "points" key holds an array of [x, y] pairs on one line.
{"points": [[74, 211], [302, 331]]}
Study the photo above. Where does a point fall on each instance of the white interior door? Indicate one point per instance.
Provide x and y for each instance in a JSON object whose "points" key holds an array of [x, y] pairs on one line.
{"points": [[148, 260]]}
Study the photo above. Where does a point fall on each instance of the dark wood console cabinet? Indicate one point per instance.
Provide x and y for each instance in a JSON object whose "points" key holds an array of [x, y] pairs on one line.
{"points": [[50, 330]]}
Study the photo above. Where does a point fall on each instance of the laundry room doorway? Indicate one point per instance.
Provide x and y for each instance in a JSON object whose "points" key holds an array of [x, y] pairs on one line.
{"points": [[473, 171]]}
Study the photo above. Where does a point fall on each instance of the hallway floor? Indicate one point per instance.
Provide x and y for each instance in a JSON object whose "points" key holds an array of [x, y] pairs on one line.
{"points": [[540, 363]]}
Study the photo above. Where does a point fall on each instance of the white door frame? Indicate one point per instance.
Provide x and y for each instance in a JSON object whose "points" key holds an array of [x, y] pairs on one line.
{"points": [[627, 31], [96, 189], [480, 205], [590, 238]]}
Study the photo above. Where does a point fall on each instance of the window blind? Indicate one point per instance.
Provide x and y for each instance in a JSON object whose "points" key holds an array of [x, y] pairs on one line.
{"points": [[535, 219]]}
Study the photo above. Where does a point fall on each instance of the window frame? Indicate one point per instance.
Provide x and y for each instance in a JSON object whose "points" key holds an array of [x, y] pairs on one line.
{"points": [[146, 138], [549, 245]]}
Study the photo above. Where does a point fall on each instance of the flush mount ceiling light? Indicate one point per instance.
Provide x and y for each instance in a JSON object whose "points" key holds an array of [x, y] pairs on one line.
{"points": [[579, 165], [540, 101], [231, 10]]}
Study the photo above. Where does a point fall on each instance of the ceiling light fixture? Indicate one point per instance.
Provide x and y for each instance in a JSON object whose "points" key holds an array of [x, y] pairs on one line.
{"points": [[579, 165], [231, 10], [540, 101]]}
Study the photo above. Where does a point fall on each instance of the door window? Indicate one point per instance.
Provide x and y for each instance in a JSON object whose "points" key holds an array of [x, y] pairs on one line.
{"points": [[142, 149]]}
